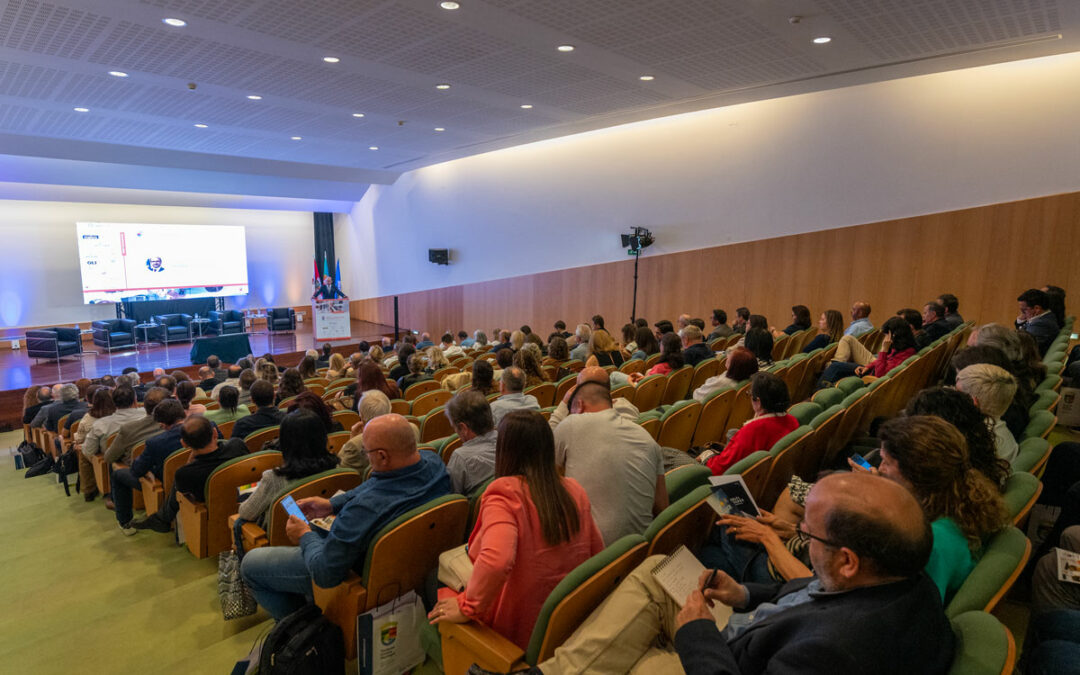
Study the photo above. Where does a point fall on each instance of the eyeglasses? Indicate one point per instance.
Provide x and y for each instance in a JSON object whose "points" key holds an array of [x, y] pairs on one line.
{"points": [[806, 535]]}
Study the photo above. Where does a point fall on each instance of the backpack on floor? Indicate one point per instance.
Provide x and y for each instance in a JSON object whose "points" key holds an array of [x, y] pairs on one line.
{"points": [[303, 643], [67, 464], [30, 454]]}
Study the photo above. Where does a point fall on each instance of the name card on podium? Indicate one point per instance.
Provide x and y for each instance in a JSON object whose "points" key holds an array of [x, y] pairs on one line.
{"points": [[331, 319]]}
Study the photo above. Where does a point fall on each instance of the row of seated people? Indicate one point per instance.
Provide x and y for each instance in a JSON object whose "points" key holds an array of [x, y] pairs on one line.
{"points": [[577, 434]]}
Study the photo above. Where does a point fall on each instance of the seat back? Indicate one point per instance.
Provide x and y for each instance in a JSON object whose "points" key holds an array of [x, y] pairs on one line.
{"points": [[754, 469], [347, 418], [677, 425], [403, 552], [324, 484], [400, 406], [1020, 493], [580, 592], [254, 441], [632, 366], [544, 393], [435, 425], [425, 403], [805, 412], [221, 494], [678, 383], [626, 391], [652, 360], [686, 521], [574, 365], [225, 428], [1033, 455], [174, 461], [1040, 424], [1003, 558], [414, 390], [564, 385], [336, 440], [712, 423], [703, 371], [984, 646], [682, 480], [742, 409], [789, 459], [650, 390]]}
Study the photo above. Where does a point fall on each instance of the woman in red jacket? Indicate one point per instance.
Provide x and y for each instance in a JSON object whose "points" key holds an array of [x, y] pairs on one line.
{"points": [[534, 528], [771, 422], [897, 347]]}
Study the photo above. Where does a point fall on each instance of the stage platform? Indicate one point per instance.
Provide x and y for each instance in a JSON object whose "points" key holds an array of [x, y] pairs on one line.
{"points": [[18, 371]]}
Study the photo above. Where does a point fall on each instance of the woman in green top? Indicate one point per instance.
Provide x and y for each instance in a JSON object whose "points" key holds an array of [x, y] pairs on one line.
{"points": [[229, 411], [929, 457]]}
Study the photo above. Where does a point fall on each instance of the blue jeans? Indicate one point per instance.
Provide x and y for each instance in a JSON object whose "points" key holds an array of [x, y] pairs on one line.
{"points": [[278, 578], [741, 561], [124, 483], [1052, 646]]}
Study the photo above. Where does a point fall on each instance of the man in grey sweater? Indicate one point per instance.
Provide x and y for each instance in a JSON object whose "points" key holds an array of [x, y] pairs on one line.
{"points": [[136, 431]]}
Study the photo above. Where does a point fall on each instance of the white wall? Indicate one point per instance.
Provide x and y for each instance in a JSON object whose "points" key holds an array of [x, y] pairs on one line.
{"points": [[758, 170], [39, 265]]}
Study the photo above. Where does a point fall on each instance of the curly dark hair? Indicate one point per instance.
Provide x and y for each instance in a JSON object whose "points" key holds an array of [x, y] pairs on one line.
{"points": [[958, 409]]}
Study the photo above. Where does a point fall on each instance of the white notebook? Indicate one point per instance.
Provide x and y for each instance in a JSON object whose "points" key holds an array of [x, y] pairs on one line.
{"points": [[679, 575]]}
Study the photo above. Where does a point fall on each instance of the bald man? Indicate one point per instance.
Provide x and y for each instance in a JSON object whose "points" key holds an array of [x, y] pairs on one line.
{"points": [[860, 320], [869, 541], [402, 478], [592, 374]]}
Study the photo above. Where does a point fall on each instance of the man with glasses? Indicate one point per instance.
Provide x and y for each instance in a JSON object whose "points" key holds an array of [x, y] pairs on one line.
{"points": [[402, 478], [869, 609]]}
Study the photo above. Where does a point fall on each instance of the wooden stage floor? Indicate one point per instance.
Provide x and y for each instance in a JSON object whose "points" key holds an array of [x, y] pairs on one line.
{"points": [[18, 371]]}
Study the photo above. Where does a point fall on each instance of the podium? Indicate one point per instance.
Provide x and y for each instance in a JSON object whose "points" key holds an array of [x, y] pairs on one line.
{"points": [[331, 320]]}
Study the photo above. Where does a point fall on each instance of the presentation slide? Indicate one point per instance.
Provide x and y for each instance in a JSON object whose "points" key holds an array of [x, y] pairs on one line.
{"points": [[136, 261]]}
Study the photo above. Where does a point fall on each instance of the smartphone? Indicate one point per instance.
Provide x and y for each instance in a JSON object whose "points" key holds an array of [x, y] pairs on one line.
{"points": [[292, 508], [861, 461]]}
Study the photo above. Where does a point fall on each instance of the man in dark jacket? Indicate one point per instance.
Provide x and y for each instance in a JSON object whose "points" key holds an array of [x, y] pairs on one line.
{"points": [[266, 415], [44, 397], [1036, 320], [934, 324], [869, 542], [694, 350], [168, 414], [49, 415]]}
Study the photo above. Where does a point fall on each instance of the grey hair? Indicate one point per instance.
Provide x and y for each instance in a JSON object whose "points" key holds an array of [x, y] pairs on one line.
{"points": [[69, 392], [514, 379]]}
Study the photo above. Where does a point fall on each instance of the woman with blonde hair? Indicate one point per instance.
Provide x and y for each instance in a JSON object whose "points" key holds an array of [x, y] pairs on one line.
{"points": [[375, 354], [603, 351], [265, 370], [436, 359], [337, 367], [830, 330], [517, 340]]}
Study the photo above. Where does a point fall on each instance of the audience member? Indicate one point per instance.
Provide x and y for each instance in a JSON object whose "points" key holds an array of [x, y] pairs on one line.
{"points": [[1017, 415], [207, 380], [671, 355], [265, 415], [771, 422], [598, 322], [168, 414], [1036, 319], [473, 462], [214, 363], [483, 377], [336, 369], [618, 463], [102, 406], [992, 388], [308, 367], [436, 359], [372, 404], [1055, 302], [528, 360], [401, 368], [629, 345], [742, 320], [934, 325], [694, 349], [69, 402], [583, 333], [534, 527], [126, 411], [914, 318], [504, 341], [603, 351], [233, 380], [425, 342], [34, 399], [647, 344], [504, 358], [417, 373], [230, 408], [185, 393], [760, 343], [860, 320], [600, 376], [558, 351], [464, 341], [830, 330], [512, 384], [481, 341], [800, 320], [131, 433], [402, 478], [951, 305], [292, 384], [740, 365], [247, 378], [449, 349], [560, 328], [852, 358], [314, 403], [721, 329]]}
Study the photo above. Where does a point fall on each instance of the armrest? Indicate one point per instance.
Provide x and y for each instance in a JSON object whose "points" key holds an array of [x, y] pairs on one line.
{"points": [[186, 318], [68, 334], [41, 334], [254, 536], [104, 324], [128, 325], [157, 318], [482, 644]]}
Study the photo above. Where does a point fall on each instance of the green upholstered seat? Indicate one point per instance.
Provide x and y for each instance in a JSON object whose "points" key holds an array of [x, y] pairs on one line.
{"points": [[825, 415], [828, 397], [850, 384], [684, 479], [983, 645], [1002, 559], [1039, 424], [1032, 452], [1020, 488], [805, 411]]}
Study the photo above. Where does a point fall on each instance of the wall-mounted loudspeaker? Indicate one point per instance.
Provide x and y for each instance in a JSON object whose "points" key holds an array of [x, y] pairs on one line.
{"points": [[439, 256]]}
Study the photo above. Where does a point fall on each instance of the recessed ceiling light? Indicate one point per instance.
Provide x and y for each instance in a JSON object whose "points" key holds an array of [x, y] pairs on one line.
{"points": [[175, 23], [254, 97], [526, 106], [81, 109], [373, 147], [824, 39], [358, 114], [443, 85], [296, 138], [118, 73], [200, 126], [449, 4], [331, 59], [647, 78], [565, 48], [440, 129]]}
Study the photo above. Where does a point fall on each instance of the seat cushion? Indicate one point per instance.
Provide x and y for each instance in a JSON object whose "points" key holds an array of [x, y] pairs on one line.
{"points": [[119, 336]]}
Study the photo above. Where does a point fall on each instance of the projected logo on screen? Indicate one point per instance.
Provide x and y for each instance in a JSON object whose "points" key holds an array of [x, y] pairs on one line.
{"points": [[125, 262]]}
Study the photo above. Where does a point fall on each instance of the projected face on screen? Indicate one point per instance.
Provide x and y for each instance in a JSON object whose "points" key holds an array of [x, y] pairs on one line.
{"points": [[125, 262]]}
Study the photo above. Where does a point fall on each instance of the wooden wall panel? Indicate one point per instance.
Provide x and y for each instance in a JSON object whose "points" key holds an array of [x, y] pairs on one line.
{"points": [[985, 255]]}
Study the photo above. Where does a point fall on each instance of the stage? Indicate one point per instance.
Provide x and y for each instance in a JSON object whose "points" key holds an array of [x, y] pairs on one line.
{"points": [[18, 371]]}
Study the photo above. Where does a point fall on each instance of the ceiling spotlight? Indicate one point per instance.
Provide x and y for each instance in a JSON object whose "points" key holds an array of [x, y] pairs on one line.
{"points": [[118, 73], [565, 48], [440, 129], [254, 97], [526, 106], [823, 40], [647, 78], [81, 109], [442, 86], [296, 138], [358, 114], [373, 147], [449, 4], [200, 126], [331, 59], [175, 23]]}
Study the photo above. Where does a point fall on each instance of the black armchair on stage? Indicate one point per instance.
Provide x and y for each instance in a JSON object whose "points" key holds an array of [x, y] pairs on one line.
{"points": [[172, 328], [114, 333], [226, 322], [53, 343], [280, 319]]}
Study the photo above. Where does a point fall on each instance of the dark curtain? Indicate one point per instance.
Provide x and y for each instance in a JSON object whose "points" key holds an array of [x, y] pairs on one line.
{"points": [[324, 242], [142, 311]]}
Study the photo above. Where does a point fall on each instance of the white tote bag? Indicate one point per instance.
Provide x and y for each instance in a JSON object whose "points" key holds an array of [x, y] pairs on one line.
{"points": [[388, 637]]}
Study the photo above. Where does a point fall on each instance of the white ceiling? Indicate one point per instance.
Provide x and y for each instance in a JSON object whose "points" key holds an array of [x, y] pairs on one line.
{"points": [[496, 54]]}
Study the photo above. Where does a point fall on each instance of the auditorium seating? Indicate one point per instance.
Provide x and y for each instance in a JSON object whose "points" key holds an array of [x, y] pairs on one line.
{"points": [[226, 322], [171, 328], [111, 334], [53, 343]]}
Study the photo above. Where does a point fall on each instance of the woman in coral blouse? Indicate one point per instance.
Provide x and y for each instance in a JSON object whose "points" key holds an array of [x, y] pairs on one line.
{"points": [[534, 528]]}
